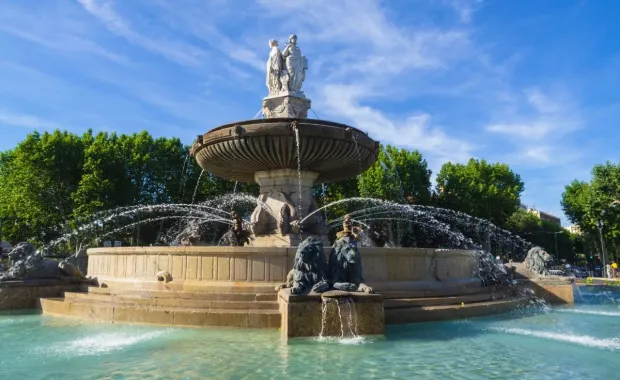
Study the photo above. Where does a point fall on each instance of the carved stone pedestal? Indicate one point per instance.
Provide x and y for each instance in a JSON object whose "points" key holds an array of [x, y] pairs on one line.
{"points": [[285, 104], [302, 315], [285, 198]]}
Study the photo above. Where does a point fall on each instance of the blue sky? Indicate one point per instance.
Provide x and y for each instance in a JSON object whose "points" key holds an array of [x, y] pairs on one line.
{"points": [[531, 83]]}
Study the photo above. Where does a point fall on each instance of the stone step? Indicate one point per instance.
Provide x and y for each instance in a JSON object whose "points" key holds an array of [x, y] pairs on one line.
{"points": [[224, 287], [436, 301], [188, 295], [198, 303], [159, 315], [449, 312], [447, 292]]}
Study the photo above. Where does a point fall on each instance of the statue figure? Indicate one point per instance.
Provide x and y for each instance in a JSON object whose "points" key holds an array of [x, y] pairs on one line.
{"points": [[537, 261], [274, 68], [378, 237], [296, 65], [28, 264], [191, 235], [345, 266], [348, 229], [309, 269], [258, 219], [237, 235], [288, 213]]}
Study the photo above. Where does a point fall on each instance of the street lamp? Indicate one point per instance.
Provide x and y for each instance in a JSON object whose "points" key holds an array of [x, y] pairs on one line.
{"points": [[599, 224]]}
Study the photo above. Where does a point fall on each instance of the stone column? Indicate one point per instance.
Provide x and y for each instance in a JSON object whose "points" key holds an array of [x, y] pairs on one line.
{"points": [[287, 197]]}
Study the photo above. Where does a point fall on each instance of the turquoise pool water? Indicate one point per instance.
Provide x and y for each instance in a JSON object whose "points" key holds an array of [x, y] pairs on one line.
{"points": [[538, 343]]}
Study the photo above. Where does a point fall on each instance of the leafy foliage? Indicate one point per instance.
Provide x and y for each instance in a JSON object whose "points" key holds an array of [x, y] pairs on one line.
{"points": [[589, 203], [489, 191], [398, 175], [52, 181]]}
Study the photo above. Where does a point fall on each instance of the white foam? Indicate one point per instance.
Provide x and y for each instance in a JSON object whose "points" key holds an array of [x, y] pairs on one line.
{"points": [[104, 343], [590, 312], [346, 341], [584, 340]]}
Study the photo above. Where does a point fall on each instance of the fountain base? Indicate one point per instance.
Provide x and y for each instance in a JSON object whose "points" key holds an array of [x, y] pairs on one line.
{"points": [[285, 198], [286, 240], [290, 105], [307, 315]]}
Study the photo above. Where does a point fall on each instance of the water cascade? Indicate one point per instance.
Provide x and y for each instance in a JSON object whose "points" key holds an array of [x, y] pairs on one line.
{"points": [[338, 316]]}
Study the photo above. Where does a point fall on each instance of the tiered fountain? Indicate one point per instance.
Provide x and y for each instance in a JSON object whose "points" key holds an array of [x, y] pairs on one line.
{"points": [[286, 154]]}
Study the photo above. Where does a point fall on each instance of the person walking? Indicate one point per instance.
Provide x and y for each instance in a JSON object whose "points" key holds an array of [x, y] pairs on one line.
{"points": [[614, 269]]}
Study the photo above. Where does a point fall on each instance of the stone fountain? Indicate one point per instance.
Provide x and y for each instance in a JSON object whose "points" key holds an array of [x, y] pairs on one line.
{"points": [[286, 154]]}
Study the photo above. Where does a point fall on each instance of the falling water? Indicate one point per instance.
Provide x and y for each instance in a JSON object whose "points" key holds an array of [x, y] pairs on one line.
{"points": [[297, 143], [235, 188], [197, 184], [576, 292], [338, 318], [359, 160], [324, 197], [400, 183], [183, 176]]}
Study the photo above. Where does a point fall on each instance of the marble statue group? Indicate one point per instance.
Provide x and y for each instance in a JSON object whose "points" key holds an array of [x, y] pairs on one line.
{"points": [[286, 69]]}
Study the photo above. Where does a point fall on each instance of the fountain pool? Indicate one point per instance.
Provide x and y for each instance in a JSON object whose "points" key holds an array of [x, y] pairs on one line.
{"points": [[534, 343]]}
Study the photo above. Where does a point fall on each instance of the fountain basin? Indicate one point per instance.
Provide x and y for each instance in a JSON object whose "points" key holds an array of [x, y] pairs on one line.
{"points": [[235, 287], [238, 150], [417, 271]]}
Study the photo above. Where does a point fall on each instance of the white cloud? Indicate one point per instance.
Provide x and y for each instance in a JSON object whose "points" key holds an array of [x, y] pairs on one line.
{"points": [[534, 131], [10, 119], [541, 102], [464, 8], [177, 51], [413, 132], [537, 125]]}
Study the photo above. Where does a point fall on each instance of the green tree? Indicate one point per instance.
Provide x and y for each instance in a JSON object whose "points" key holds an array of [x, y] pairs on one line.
{"points": [[398, 175], [550, 236], [37, 179], [489, 191], [589, 203]]}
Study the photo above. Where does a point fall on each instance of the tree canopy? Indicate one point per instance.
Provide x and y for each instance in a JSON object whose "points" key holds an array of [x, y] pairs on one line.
{"points": [[489, 191], [398, 175], [51, 182], [587, 204]]}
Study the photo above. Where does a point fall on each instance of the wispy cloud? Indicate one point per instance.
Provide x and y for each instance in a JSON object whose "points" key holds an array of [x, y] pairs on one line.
{"points": [[536, 125], [464, 8], [177, 51], [9, 119], [53, 32], [414, 132]]}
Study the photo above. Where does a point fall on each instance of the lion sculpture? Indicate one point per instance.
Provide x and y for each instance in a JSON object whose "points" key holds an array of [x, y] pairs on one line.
{"points": [[345, 266], [309, 269], [537, 261]]}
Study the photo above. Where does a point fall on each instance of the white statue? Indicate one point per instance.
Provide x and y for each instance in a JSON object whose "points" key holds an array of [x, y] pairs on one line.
{"points": [[274, 68], [296, 65]]}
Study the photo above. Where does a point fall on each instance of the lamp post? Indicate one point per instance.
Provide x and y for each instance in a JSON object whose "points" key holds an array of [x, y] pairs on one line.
{"points": [[599, 224]]}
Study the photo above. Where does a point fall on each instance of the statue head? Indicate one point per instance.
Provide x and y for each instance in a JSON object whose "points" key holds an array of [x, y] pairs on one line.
{"points": [[292, 39], [347, 249], [273, 43], [309, 250], [346, 224], [21, 251]]}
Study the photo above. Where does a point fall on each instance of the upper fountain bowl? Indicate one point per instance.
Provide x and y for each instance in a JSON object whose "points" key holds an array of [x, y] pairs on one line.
{"points": [[236, 151]]}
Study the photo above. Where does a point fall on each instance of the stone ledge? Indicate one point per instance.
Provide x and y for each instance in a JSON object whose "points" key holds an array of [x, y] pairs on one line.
{"points": [[187, 317], [358, 297], [451, 312], [25, 295]]}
